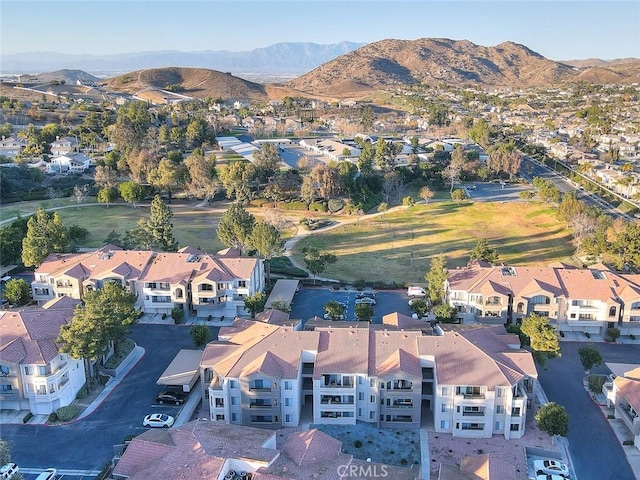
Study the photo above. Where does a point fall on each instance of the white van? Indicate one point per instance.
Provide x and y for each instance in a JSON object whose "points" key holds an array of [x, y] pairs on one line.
{"points": [[48, 474], [416, 292], [8, 470]]}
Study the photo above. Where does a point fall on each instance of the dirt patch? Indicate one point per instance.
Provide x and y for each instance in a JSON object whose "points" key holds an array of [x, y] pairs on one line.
{"points": [[399, 447]]}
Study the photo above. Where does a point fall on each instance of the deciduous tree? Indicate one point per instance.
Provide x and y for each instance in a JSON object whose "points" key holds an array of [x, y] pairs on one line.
{"points": [[553, 419], [541, 333], [589, 357], [131, 192], [317, 261], [266, 240], [45, 234], [200, 335], [107, 195], [17, 292], [255, 303]]}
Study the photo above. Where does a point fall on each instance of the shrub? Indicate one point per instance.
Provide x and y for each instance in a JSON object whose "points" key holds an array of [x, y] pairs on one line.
{"points": [[561, 333], [335, 205], [408, 201], [587, 334], [359, 284], [613, 333], [176, 315], [383, 207], [403, 461], [27, 417], [317, 207], [632, 336], [164, 315], [53, 417], [357, 444], [68, 413], [293, 206], [595, 383], [82, 392]]}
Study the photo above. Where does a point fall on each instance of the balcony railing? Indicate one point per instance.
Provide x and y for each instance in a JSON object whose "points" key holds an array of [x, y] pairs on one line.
{"points": [[493, 302], [473, 414], [401, 405], [473, 395], [259, 389], [260, 405]]}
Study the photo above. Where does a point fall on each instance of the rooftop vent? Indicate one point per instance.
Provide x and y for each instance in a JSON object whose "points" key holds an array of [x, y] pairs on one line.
{"points": [[193, 258], [508, 271], [598, 275]]}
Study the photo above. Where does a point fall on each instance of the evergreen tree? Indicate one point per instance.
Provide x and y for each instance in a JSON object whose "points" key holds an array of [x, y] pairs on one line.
{"points": [[234, 229], [265, 239], [45, 234], [482, 251], [436, 277], [159, 226], [541, 334]]}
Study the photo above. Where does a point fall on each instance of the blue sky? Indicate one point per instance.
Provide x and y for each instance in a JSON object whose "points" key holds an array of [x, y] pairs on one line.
{"points": [[559, 30]]}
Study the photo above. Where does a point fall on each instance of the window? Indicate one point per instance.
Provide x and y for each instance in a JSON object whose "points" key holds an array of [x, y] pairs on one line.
{"points": [[372, 415], [234, 417], [151, 285], [4, 370], [360, 380], [499, 409], [5, 388], [515, 411], [498, 426], [612, 311], [287, 418], [205, 287], [219, 402], [444, 424], [373, 399], [444, 408], [41, 389], [178, 293], [287, 385], [235, 400], [515, 427], [372, 382], [360, 412], [242, 284], [520, 308], [233, 384], [287, 402], [28, 370], [499, 392], [361, 396], [44, 370], [445, 391]]}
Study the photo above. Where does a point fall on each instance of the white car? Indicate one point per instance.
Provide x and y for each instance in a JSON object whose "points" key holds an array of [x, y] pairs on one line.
{"points": [[416, 292], [366, 301], [8, 470], [160, 420], [550, 467], [48, 474]]}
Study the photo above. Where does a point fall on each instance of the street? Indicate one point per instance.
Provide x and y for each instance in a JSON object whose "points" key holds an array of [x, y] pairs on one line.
{"points": [[87, 444], [593, 446]]}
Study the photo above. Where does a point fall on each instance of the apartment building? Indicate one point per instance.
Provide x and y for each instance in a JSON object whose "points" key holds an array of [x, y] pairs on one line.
{"points": [[258, 374], [623, 394], [34, 375], [199, 283], [585, 300]]}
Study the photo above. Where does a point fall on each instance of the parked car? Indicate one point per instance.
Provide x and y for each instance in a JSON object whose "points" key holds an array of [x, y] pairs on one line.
{"points": [[365, 294], [366, 301], [159, 420], [416, 299], [416, 292], [48, 474], [335, 317], [171, 397], [546, 476], [8, 470], [550, 466]]}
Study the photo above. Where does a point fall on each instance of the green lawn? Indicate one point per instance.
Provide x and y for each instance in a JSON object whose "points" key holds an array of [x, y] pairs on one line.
{"points": [[190, 227], [397, 247], [25, 209]]}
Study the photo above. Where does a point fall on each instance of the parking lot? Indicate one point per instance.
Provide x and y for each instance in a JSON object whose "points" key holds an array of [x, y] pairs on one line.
{"points": [[309, 302]]}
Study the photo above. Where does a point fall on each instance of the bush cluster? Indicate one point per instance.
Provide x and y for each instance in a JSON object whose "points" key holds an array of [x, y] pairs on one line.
{"points": [[68, 413]]}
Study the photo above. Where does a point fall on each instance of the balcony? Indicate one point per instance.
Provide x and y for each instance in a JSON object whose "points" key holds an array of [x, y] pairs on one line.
{"points": [[401, 419], [493, 302], [337, 400], [473, 414], [260, 404], [401, 404]]}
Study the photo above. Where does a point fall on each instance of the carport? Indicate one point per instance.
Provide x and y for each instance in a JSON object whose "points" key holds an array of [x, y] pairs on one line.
{"points": [[283, 291], [183, 371]]}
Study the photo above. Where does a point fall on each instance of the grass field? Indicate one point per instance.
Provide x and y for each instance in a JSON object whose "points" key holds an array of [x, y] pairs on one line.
{"points": [[397, 247], [191, 226]]}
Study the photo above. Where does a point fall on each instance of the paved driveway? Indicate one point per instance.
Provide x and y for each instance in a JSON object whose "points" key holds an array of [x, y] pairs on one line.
{"points": [[593, 446], [88, 444], [310, 301]]}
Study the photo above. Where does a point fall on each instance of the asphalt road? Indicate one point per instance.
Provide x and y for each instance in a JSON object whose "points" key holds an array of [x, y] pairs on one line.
{"points": [[594, 448], [87, 444], [531, 169]]}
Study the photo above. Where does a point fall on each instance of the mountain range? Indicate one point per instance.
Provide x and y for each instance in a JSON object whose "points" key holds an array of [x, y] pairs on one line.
{"points": [[290, 59]]}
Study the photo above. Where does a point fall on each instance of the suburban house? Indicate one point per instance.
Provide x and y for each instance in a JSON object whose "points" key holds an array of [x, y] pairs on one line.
{"points": [[265, 375], [69, 163], [198, 283], [34, 375], [585, 300], [331, 149], [216, 450], [623, 394], [11, 146], [63, 145]]}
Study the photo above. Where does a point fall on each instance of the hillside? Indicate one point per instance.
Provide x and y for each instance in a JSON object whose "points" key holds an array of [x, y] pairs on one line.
{"points": [[69, 76], [195, 82], [393, 63]]}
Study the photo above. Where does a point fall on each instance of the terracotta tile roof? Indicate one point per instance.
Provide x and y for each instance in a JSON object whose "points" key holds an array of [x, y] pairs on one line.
{"points": [[400, 362], [402, 321], [28, 336], [393, 351], [487, 467], [581, 284], [342, 350], [630, 390], [272, 315], [633, 374], [270, 364], [306, 448]]}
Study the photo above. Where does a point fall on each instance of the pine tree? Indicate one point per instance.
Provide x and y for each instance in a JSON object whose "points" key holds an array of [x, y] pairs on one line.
{"points": [[435, 277], [159, 226]]}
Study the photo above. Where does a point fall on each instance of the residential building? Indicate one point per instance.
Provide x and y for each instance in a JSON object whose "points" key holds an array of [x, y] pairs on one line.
{"points": [[69, 163], [12, 146], [586, 300], [623, 394], [259, 374], [64, 145], [216, 450], [198, 283], [34, 374]]}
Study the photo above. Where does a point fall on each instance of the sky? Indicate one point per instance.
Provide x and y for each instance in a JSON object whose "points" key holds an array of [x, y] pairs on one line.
{"points": [[558, 30]]}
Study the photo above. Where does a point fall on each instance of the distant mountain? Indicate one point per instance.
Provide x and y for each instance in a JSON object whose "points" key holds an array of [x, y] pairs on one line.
{"points": [[432, 61], [292, 58], [195, 82], [597, 62]]}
